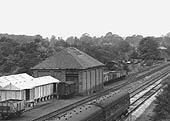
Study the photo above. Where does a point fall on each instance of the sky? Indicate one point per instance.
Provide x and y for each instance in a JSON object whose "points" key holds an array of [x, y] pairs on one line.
{"points": [[65, 18]]}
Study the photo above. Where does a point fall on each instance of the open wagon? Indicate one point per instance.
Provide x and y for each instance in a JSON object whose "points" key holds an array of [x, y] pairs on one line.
{"points": [[66, 89], [11, 108]]}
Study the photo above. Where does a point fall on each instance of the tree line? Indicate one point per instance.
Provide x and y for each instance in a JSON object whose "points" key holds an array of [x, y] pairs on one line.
{"points": [[20, 57]]}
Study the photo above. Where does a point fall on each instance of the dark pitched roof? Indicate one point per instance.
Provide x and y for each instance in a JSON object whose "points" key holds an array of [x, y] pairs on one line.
{"points": [[69, 58]]}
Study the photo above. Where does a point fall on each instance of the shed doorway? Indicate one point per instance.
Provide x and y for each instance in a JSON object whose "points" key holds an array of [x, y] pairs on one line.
{"points": [[73, 76], [27, 94]]}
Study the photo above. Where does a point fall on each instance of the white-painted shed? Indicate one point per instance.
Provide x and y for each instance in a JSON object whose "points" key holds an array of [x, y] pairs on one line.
{"points": [[27, 88]]}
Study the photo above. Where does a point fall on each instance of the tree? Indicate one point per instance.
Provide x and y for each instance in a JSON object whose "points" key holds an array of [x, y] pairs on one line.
{"points": [[111, 39], [134, 55], [52, 40], [30, 54], [162, 108], [60, 44], [86, 39], [134, 40], [70, 40], [123, 48], [148, 49]]}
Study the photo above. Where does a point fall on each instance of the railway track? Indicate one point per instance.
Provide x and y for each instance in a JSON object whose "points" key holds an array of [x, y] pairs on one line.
{"points": [[139, 97], [92, 97], [135, 78], [137, 90], [58, 114], [131, 79], [150, 81]]}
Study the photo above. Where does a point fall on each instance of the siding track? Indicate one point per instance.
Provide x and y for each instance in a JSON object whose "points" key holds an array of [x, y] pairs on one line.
{"points": [[131, 79], [137, 77]]}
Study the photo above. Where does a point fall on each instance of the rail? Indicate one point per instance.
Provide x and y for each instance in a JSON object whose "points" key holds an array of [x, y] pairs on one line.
{"points": [[146, 93], [61, 111], [92, 97]]}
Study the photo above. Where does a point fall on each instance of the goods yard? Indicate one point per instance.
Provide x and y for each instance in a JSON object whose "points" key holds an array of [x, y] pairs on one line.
{"points": [[139, 86], [152, 83], [55, 104], [46, 93]]}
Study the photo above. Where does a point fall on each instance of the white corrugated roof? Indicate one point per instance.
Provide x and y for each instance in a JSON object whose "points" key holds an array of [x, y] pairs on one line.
{"points": [[45, 80], [16, 78], [6, 80], [3, 84], [31, 83], [11, 86]]}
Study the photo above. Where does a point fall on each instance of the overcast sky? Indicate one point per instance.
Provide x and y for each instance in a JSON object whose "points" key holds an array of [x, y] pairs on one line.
{"points": [[64, 18]]}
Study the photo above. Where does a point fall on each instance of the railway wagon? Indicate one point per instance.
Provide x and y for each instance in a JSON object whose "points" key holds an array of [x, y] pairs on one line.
{"points": [[114, 105], [66, 89], [109, 75], [110, 107], [113, 76], [83, 113], [12, 107]]}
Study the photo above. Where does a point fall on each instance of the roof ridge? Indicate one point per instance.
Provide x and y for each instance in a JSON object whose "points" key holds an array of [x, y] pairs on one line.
{"points": [[68, 58], [75, 58]]}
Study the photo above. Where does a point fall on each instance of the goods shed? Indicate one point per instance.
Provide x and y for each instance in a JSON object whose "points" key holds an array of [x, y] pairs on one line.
{"points": [[71, 64], [30, 89]]}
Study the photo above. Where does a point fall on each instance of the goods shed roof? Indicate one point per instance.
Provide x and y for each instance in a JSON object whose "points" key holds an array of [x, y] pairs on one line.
{"points": [[69, 58]]}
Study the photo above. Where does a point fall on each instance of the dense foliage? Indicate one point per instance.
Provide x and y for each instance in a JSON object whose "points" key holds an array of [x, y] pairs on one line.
{"points": [[19, 53], [148, 49], [162, 102], [16, 57]]}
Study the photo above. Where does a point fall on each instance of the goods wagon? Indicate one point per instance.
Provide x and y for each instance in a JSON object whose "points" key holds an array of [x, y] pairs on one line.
{"points": [[114, 105], [113, 76], [111, 107], [83, 113], [12, 107], [66, 89]]}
